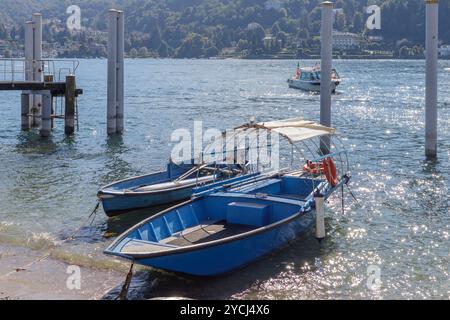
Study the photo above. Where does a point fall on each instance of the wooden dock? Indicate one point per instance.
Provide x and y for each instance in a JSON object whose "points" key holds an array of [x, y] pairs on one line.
{"points": [[56, 88], [35, 80]]}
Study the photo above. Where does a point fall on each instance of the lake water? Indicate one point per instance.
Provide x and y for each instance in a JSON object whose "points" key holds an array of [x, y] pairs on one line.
{"points": [[401, 224]]}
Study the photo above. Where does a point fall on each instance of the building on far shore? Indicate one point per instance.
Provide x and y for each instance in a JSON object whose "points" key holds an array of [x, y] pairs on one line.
{"points": [[4, 47], [375, 38], [346, 41], [444, 51]]}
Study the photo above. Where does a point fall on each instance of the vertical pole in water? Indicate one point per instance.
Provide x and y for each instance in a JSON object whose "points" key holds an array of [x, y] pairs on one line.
{"points": [[432, 10], [46, 123], [113, 71], [69, 116], [120, 71], [25, 111], [320, 217], [29, 48], [49, 78], [326, 35], [37, 66]]}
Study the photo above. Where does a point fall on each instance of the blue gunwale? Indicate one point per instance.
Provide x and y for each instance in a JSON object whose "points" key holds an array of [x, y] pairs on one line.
{"points": [[140, 193], [119, 243], [106, 189], [125, 195], [304, 207]]}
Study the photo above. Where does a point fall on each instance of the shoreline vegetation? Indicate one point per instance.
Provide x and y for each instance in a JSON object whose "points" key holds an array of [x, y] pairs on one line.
{"points": [[269, 57]]}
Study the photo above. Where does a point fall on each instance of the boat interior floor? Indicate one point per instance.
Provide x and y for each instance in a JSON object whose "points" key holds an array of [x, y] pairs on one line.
{"points": [[206, 233]]}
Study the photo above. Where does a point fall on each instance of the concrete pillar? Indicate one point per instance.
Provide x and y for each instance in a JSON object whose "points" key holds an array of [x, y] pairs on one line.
{"points": [[37, 67], [326, 36], [431, 78], [25, 111], [112, 73], [37, 48], [46, 123], [120, 71], [50, 78], [320, 217], [115, 105], [69, 117], [29, 49], [33, 63]]}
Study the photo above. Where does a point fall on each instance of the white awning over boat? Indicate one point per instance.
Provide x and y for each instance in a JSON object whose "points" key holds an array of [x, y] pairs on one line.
{"points": [[296, 129]]}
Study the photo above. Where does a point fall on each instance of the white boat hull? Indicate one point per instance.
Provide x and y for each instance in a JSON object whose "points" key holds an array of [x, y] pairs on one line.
{"points": [[313, 86]]}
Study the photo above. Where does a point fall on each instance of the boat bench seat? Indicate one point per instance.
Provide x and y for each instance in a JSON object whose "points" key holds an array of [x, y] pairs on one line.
{"points": [[207, 233], [139, 246], [257, 186], [249, 214]]}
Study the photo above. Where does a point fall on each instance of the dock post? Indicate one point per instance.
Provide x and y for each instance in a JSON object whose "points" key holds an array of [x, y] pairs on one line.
{"points": [[112, 72], [326, 52], [69, 116], [37, 66], [320, 217], [29, 49], [25, 111], [120, 71], [115, 72], [431, 116], [50, 78], [46, 123], [37, 47]]}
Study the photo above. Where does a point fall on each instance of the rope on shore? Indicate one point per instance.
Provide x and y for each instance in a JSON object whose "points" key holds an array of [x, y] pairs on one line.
{"points": [[93, 215], [126, 286], [90, 218]]}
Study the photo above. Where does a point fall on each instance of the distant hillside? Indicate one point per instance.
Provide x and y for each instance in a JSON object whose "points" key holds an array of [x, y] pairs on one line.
{"points": [[18, 11], [193, 28]]}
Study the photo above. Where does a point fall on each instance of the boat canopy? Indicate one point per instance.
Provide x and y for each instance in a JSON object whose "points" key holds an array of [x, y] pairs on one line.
{"points": [[310, 69], [295, 129]]}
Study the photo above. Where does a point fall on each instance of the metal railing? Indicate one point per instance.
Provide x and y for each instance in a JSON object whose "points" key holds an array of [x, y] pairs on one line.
{"points": [[19, 70]]}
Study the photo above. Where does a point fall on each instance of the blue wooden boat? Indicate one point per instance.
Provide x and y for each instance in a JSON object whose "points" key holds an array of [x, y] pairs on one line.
{"points": [[160, 188], [227, 225]]}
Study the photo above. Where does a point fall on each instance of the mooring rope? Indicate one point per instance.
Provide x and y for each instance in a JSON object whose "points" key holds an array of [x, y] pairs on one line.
{"points": [[71, 237], [126, 285], [84, 224], [351, 193]]}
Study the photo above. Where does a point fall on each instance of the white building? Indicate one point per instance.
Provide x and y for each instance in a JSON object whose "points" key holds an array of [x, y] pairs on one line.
{"points": [[375, 38], [346, 40], [444, 51]]}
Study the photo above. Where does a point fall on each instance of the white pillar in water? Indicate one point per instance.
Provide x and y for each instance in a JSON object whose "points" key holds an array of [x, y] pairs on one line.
{"points": [[115, 108], [320, 217], [120, 71], [112, 72], [27, 99], [46, 123], [25, 111], [29, 49], [432, 10], [37, 47], [37, 66], [326, 52]]}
